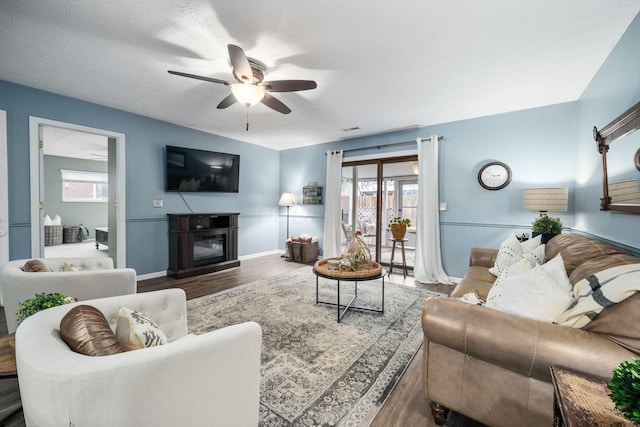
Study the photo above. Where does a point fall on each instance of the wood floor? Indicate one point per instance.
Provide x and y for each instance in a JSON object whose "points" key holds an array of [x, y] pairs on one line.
{"points": [[405, 407]]}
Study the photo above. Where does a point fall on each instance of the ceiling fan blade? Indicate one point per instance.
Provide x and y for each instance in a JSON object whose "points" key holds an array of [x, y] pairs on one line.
{"points": [[240, 64], [228, 101], [288, 85], [206, 79], [275, 104]]}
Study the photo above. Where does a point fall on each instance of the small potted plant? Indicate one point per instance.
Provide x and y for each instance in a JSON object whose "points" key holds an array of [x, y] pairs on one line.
{"points": [[547, 226], [398, 227], [624, 389], [40, 302]]}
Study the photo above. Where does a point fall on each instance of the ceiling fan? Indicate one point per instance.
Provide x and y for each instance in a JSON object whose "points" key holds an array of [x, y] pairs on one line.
{"points": [[250, 88]]}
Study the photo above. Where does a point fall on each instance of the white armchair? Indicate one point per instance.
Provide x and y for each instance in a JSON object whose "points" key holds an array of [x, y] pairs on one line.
{"points": [[96, 279], [210, 379]]}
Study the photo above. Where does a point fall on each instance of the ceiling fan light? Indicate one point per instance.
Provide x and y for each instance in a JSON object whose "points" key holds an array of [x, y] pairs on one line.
{"points": [[247, 94]]}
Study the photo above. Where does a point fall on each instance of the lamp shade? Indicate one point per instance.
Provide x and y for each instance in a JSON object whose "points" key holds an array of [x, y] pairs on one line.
{"points": [[287, 199], [546, 199]]}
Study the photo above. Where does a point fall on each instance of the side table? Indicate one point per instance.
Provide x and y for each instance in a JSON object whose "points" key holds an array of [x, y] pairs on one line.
{"points": [[7, 357], [8, 369], [393, 254], [582, 400]]}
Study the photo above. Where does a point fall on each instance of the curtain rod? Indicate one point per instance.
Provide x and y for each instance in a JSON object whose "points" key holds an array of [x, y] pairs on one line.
{"points": [[395, 144]]}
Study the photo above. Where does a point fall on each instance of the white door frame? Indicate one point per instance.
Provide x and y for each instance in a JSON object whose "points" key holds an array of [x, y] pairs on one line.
{"points": [[36, 178], [4, 191]]}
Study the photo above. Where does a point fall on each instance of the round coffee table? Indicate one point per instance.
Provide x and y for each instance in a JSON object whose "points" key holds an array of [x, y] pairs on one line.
{"points": [[349, 305]]}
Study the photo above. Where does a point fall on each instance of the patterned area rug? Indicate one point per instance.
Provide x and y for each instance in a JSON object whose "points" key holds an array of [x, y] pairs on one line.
{"points": [[316, 371]]}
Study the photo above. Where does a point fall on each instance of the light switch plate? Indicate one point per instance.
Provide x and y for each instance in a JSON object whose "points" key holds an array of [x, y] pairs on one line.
{"points": [[157, 203], [443, 206]]}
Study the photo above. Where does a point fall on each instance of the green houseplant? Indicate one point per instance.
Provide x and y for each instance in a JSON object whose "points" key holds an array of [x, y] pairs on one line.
{"points": [[398, 227], [547, 226], [40, 302], [624, 389]]}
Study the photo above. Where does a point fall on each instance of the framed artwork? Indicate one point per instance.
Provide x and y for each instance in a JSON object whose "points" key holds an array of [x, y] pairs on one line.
{"points": [[312, 194]]}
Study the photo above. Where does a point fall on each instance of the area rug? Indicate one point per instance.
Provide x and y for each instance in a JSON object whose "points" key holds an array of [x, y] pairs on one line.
{"points": [[316, 371]]}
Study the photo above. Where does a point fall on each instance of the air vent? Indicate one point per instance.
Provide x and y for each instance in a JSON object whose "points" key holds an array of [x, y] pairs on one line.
{"points": [[351, 129]]}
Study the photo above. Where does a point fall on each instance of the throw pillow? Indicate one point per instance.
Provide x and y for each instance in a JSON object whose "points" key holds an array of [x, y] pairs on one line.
{"points": [[531, 244], [596, 292], [511, 251], [86, 331], [542, 293], [495, 293], [35, 266], [135, 330]]}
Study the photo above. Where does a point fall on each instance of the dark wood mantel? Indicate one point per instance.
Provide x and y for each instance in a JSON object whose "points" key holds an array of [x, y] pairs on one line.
{"points": [[202, 243]]}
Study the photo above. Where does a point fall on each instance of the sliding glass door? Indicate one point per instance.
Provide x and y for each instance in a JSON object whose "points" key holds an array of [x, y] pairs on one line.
{"points": [[373, 192]]}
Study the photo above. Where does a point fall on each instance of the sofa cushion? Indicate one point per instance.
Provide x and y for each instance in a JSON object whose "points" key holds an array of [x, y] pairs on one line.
{"points": [[577, 249], [511, 251], [135, 330], [86, 331], [477, 279], [542, 293], [35, 266]]}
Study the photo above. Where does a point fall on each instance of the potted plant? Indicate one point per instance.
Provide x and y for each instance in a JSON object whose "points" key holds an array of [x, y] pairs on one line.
{"points": [[40, 302], [547, 226], [624, 389], [398, 227]]}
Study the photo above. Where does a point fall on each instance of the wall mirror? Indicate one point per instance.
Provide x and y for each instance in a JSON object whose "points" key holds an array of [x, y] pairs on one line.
{"points": [[621, 165]]}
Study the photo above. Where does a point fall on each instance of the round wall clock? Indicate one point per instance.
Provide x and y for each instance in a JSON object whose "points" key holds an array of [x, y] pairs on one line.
{"points": [[494, 176]]}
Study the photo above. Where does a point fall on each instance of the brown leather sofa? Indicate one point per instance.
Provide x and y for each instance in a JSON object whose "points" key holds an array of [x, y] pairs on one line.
{"points": [[494, 367]]}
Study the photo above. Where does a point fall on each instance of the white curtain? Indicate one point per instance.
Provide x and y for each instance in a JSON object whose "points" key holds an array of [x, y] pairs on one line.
{"points": [[332, 219], [428, 264]]}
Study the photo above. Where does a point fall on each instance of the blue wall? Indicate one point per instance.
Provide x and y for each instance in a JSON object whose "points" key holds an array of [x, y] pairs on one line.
{"points": [[147, 250], [614, 89], [537, 144]]}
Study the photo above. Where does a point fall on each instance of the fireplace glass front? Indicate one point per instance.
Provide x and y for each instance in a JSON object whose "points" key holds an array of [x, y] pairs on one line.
{"points": [[209, 249]]}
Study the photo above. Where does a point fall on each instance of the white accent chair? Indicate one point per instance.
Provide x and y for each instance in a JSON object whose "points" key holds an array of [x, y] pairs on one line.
{"points": [[195, 380], [96, 279]]}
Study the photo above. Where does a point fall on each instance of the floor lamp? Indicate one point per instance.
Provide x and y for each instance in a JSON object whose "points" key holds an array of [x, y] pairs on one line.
{"points": [[287, 199]]}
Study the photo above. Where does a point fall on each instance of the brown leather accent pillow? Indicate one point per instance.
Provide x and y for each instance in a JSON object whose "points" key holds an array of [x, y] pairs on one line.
{"points": [[35, 266], [86, 331]]}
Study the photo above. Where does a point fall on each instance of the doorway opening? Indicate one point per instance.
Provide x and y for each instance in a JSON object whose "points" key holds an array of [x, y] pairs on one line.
{"points": [[373, 193], [79, 172]]}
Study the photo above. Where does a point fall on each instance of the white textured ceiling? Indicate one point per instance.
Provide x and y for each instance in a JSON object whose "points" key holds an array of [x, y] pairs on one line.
{"points": [[380, 66]]}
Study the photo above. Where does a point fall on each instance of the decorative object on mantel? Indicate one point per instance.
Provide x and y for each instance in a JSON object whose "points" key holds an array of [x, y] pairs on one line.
{"points": [[625, 389], [398, 227], [312, 194], [40, 302]]}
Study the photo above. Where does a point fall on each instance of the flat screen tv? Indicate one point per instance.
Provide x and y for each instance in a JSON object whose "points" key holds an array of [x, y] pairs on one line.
{"points": [[191, 170]]}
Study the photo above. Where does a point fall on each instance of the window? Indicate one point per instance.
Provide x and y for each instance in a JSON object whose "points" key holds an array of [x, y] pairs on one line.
{"points": [[84, 186]]}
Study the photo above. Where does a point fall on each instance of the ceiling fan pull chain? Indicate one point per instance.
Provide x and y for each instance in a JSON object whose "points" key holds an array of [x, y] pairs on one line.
{"points": [[247, 120]]}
